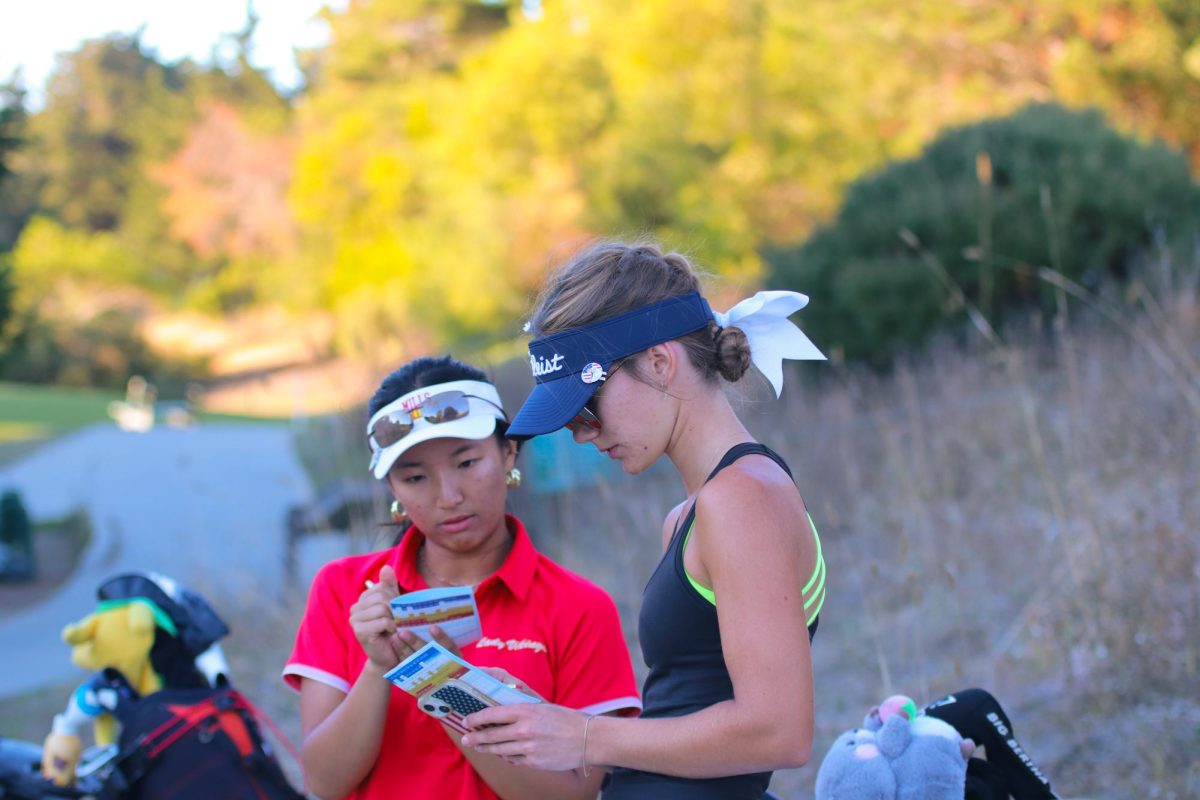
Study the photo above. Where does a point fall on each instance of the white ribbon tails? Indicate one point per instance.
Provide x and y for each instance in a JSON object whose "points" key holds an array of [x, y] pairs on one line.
{"points": [[772, 336]]}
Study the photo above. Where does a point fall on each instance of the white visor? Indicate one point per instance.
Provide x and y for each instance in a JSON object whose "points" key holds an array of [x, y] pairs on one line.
{"points": [[484, 408]]}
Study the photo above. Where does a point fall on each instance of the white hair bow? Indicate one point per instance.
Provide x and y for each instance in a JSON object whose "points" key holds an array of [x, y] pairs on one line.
{"points": [[772, 336]]}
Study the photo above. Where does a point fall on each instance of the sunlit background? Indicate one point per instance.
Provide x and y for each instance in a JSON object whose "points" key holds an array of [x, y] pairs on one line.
{"points": [[219, 230]]}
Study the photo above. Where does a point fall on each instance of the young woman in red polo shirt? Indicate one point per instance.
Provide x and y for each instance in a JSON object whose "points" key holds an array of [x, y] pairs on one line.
{"points": [[436, 434], [628, 354]]}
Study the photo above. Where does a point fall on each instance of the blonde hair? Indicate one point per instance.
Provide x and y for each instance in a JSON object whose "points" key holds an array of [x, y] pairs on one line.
{"points": [[609, 278]]}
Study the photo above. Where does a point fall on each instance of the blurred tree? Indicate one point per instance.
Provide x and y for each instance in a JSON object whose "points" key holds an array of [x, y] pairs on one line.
{"points": [[1131, 58], [12, 124], [399, 244], [102, 350], [17, 190], [6, 298], [115, 121], [225, 187], [433, 147], [50, 253], [123, 201], [226, 198], [240, 85], [985, 206], [447, 149], [112, 109], [12, 113]]}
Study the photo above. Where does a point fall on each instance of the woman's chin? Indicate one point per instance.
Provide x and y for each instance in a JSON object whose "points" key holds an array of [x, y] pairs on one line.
{"points": [[633, 467]]}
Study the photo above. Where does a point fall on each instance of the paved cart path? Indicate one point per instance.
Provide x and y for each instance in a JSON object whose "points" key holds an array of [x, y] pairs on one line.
{"points": [[204, 505]]}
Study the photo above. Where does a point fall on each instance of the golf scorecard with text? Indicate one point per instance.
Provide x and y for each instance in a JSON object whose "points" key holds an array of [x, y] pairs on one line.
{"points": [[452, 608], [448, 688]]}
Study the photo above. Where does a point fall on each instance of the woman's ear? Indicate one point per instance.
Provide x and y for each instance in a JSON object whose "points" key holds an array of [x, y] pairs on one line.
{"points": [[661, 363], [510, 454]]}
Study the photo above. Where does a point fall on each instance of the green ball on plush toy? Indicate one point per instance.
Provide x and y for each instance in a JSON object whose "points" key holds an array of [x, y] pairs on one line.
{"points": [[898, 704]]}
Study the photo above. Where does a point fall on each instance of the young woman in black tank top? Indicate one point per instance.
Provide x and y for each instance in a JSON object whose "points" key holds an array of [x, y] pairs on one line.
{"points": [[728, 614]]}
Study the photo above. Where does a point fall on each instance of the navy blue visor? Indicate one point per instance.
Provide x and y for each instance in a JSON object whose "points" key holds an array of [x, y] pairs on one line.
{"points": [[569, 366]]}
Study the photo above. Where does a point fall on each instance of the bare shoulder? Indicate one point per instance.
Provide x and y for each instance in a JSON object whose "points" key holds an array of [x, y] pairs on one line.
{"points": [[752, 483], [755, 497]]}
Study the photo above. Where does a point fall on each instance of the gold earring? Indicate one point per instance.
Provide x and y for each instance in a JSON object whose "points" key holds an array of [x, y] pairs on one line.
{"points": [[399, 515], [513, 479]]}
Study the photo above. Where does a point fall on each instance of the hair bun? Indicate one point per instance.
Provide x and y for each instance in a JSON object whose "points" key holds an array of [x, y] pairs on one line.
{"points": [[733, 353]]}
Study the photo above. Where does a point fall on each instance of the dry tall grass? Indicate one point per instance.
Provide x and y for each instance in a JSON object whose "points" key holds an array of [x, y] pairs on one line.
{"points": [[1018, 514]]}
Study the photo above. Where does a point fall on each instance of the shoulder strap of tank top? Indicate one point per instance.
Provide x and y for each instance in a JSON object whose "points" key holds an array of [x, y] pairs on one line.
{"points": [[731, 455], [745, 449], [679, 535]]}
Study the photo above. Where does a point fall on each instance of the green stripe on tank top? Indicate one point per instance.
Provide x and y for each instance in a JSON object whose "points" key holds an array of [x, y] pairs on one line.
{"points": [[817, 579]]}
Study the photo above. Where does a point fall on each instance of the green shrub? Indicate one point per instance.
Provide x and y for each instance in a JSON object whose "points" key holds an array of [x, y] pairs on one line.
{"points": [[14, 520], [17, 561], [988, 203], [100, 352], [6, 293]]}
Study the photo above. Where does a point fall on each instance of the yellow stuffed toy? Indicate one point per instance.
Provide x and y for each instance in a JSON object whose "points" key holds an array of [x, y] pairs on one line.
{"points": [[152, 632]]}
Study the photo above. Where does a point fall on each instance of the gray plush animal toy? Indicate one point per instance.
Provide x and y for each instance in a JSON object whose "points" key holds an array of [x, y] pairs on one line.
{"points": [[896, 755]]}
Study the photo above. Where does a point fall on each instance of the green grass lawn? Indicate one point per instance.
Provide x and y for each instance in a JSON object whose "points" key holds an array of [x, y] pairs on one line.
{"points": [[28, 411], [31, 414]]}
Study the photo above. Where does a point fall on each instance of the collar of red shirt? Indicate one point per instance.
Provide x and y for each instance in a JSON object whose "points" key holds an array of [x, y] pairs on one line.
{"points": [[516, 572]]}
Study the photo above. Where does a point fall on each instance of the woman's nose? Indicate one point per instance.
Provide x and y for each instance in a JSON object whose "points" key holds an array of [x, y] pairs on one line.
{"points": [[584, 433], [449, 492]]}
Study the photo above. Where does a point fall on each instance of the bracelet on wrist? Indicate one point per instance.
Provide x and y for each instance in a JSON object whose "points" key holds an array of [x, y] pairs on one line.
{"points": [[587, 771]]}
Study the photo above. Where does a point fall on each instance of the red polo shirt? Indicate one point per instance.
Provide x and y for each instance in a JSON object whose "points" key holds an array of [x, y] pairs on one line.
{"points": [[548, 626]]}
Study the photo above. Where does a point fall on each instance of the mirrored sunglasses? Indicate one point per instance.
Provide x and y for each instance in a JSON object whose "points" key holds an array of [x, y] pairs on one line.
{"points": [[441, 407], [587, 418]]}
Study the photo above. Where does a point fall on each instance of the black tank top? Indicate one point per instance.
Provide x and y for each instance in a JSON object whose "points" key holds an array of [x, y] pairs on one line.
{"points": [[681, 644]]}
